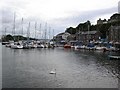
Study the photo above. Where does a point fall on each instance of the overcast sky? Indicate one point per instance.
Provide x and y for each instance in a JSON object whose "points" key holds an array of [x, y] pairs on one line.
{"points": [[59, 14]]}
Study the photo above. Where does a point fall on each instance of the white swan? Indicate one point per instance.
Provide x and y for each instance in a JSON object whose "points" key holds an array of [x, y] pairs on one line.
{"points": [[53, 72]]}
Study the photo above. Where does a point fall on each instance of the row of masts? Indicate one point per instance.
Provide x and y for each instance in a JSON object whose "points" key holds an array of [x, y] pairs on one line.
{"points": [[37, 34]]}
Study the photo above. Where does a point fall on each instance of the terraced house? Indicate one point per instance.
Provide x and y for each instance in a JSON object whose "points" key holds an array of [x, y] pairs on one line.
{"points": [[114, 34], [87, 36]]}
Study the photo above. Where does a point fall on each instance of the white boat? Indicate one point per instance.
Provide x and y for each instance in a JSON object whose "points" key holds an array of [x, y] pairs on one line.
{"points": [[72, 46], [8, 45], [99, 48], [4, 43], [27, 46], [45, 46], [112, 48], [16, 46], [40, 46], [114, 57], [102, 48], [80, 47], [90, 48], [33, 45]]}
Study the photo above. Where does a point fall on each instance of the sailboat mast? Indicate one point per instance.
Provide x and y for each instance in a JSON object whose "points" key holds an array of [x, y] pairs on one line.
{"points": [[45, 31], [28, 32], [35, 29], [22, 27], [14, 26], [53, 32], [53, 36], [5, 30], [40, 32], [4, 33], [49, 32]]}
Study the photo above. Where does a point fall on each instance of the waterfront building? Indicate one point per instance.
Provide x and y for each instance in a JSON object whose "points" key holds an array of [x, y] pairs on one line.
{"points": [[71, 37], [115, 17], [65, 35], [58, 37], [61, 37], [114, 34], [100, 21], [87, 36], [78, 36]]}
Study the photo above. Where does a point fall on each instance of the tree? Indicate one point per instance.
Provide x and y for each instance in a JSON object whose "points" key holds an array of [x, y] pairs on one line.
{"points": [[83, 26], [7, 38], [71, 30]]}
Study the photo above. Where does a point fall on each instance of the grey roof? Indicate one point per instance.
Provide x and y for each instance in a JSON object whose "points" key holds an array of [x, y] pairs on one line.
{"points": [[89, 32], [60, 34]]}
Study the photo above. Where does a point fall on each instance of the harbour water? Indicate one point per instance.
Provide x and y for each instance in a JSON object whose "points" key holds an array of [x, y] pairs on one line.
{"points": [[74, 69]]}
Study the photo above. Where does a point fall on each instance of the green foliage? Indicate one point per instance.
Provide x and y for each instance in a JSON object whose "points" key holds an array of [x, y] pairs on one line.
{"points": [[7, 38], [80, 27], [71, 30], [15, 38], [93, 28], [83, 26], [103, 28]]}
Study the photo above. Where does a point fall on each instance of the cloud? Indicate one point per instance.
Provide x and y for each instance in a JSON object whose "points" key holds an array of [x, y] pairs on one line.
{"points": [[80, 17], [7, 16], [60, 14], [87, 15]]}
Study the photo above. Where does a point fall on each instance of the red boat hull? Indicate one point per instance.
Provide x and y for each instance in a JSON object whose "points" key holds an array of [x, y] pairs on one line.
{"points": [[67, 46]]}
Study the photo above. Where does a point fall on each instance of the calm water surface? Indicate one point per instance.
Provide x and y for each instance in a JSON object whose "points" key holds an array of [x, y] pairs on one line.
{"points": [[74, 69]]}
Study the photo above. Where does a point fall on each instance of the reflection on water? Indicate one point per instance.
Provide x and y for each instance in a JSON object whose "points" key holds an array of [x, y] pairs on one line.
{"points": [[74, 69]]}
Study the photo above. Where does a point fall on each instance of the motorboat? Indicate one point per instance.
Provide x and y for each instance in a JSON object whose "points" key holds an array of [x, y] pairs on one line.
{"points": [[114, 57], [16, 46], [40, 46], [67, 46], [4, 43], [80, 47], [90, 46]]}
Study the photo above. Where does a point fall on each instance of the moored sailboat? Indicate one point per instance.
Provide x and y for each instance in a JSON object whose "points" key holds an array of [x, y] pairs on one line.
{"points": [[15, 45]]}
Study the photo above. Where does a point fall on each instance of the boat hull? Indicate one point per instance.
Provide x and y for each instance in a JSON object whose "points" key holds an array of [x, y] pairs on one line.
{"points": [[67, 46], [16, 46]]}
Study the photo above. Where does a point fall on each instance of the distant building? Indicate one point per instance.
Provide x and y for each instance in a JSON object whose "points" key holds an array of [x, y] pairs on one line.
{"points": [[114, 34], [119, 7], [101, 21], [58, 37], [61, 38], [87, 36], [71, 37], [65, 35], [114, 17]]}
